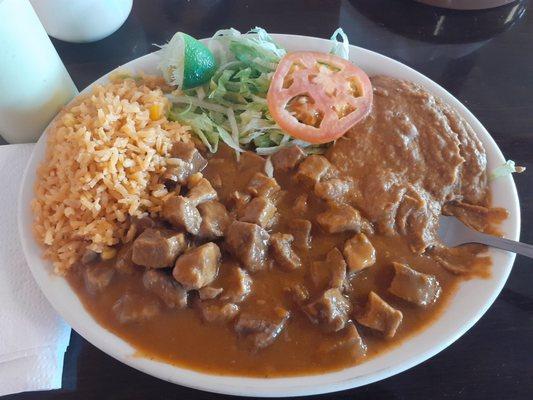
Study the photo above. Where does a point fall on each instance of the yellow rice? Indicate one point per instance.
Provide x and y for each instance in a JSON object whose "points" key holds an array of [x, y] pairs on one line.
{"points": [[104, 156]]}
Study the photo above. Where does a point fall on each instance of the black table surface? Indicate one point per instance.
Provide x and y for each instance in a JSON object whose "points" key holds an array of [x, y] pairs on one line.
{"points": [[484, 58]]}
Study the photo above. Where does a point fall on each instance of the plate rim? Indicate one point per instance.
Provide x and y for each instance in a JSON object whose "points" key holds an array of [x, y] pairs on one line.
{"points": [[246, 386]]}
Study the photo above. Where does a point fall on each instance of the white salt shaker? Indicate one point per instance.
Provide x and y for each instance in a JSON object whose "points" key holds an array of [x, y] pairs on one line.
{"points": [[34, 83], [81, 21]]}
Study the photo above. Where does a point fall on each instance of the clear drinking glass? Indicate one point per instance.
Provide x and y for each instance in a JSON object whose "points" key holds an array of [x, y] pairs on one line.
{"points": [[34, 83]]}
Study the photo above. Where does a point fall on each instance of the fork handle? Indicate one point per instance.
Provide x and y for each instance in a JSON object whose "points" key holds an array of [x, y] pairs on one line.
{"points": [[505, 244]]}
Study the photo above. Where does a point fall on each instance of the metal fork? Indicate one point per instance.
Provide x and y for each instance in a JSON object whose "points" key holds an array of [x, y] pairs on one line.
{"points": [[453, 233]]}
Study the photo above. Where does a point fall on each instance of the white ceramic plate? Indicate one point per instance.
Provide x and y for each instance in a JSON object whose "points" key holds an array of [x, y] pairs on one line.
{"points": [[470, 302]]}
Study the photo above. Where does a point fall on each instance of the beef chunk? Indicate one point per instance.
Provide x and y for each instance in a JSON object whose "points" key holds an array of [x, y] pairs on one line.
{"points": [[188, 153], [313, 169], [201, 192], [197, 268], [216, 181], [97, 277], [298, 292], [186, 161], [238, 285], [124, 262], [239, 199], [300, 204], [380, 316], [330, 273], [340, 218], [182, 213], [475, 216], [141, 224], [132, 307], [215, 219], [158, 248], [166, 288], [215, 311], [178, 172], [89, 257], [333, 190], [262, 185], [359, 253], [345, 341], [301, 231], [330, 310], [416, 287], [262, 327], [209, 292], [260, 211], [287, 158], [251, 161], [282, 251], [248, 243], [458, 260]]}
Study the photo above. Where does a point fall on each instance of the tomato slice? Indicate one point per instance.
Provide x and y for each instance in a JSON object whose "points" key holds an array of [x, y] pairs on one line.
{"points": [[317, 97]]}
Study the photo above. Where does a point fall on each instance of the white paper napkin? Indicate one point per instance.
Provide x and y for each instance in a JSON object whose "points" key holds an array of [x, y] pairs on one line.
{"points": [[33, 338]]}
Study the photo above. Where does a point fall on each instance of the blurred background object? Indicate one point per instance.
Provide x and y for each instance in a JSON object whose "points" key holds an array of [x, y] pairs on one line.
{"points": [[82, 21], [467, 4], [444, 43], [440, 25], [34, 83]]}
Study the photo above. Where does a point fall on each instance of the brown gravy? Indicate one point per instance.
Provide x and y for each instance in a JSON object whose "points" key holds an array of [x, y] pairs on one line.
{"points": [[180, 337], [183, 339]]}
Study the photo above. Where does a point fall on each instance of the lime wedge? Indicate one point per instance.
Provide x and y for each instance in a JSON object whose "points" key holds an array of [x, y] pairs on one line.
{"points": [[200, 63], [186, 62]]}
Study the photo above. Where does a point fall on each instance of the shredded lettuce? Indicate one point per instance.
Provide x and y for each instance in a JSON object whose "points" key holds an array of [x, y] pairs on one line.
{"points": [[342, 48], [255, 48], [507, 168], [232, 106], [269, 167], [172, 60]]}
